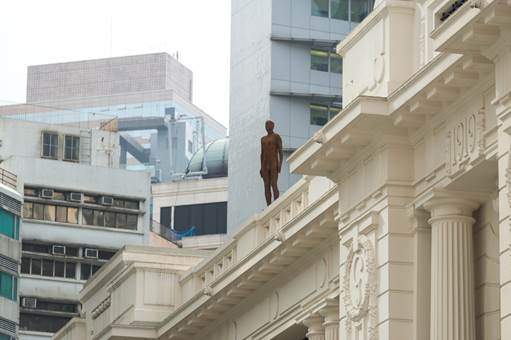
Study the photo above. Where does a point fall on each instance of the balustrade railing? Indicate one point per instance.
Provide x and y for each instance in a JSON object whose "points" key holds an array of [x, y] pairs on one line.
{"points": [[254, 234], [8, 178]]}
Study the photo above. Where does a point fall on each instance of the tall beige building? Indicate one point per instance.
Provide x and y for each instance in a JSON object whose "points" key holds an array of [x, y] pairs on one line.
{"points": [[400, 228]]}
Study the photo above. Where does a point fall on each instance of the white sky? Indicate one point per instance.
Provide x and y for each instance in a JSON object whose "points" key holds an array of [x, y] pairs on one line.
{"points": [[47, 31]]}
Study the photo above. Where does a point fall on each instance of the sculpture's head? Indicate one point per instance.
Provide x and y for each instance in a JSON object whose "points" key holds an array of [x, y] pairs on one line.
{"points": [[269, 125]]}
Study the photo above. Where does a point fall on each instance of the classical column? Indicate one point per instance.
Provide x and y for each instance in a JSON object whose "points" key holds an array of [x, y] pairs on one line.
{"points": [[331, 321], [315, 330], [452, 267]]}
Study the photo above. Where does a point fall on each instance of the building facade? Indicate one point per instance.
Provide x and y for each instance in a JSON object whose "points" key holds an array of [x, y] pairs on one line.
{"points": [[400, 228], [149, 95], [284, 68], [10, 254], [78, 212]]}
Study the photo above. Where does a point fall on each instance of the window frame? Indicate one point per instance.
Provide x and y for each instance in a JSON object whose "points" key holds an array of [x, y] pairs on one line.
{"points": [[50, 145], [370, 5], [13, 295], [330, 55], [331, 111], [73, 142]]}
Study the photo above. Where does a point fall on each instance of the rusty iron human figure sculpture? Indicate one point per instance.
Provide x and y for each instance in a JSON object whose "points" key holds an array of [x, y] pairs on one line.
{"points": [[271, 161]]}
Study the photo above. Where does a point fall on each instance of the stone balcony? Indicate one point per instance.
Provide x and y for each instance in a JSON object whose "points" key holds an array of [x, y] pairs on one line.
{"points": [[469, 27]]}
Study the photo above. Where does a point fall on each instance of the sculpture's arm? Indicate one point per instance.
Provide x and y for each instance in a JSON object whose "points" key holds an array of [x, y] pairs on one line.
{"points": [[281, 155], [261, 169]]}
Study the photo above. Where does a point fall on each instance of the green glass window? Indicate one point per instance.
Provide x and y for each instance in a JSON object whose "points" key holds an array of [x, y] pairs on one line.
{"points": [[318, 114], [335, 63], [8, 224], [319, 60], [8, 286], [333, 111], [340, 9], [319, 8], [359, 10]]}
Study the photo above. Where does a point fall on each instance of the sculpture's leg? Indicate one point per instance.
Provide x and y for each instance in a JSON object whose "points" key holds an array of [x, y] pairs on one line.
{"points": [[267, 190], [274, 180]]}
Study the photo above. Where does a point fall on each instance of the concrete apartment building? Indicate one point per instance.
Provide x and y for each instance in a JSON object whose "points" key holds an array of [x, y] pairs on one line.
{"points": [[10, 254], [399, 229], [78, 211], [150, 95]]}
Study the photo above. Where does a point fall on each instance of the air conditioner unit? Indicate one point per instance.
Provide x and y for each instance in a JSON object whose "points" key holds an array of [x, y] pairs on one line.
{"points": [[29, 302], [58, 250], [46, 193], [75, 197], [91, 253], [106, 200]]}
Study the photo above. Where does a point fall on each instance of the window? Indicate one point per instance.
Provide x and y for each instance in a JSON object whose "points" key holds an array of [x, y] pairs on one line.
{"points": [[9, 224], [38, 211], [347, 10], [52, 213], [190, 146], [319, 8], [318, 114], [209, 218], [324, 61], [319, 60], [48, 267], [42, 323], [50, 145], [110, 219], [321, 114], [125, 204], [105, 254], [359, 10], [87, 270], [335, 63], [72, 148], [340, 9], [8, 286]]}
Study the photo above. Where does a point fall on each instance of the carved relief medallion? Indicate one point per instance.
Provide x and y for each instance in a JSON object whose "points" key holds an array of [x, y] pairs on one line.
{"points": [[358, 275], [359, 290]]}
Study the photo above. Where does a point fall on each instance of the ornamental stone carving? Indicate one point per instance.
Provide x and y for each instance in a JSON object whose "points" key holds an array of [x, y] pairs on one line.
{"points": [[465, 142], [359, 290]]}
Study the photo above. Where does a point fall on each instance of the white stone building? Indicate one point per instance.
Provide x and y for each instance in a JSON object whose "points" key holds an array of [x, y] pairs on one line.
{"points": [[401, 228]]}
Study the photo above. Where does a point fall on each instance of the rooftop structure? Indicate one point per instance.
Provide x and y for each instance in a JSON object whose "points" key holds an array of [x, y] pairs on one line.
{"points": [[149, 96]]}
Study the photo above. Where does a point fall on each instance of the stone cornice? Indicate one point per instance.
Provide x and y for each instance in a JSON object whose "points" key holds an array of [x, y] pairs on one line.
{"points": [[371, 20]]}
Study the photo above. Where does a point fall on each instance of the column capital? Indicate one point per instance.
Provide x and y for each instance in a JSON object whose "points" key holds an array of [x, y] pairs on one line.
{"points": [[330, 312], [442, 203], [314, 323]]}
